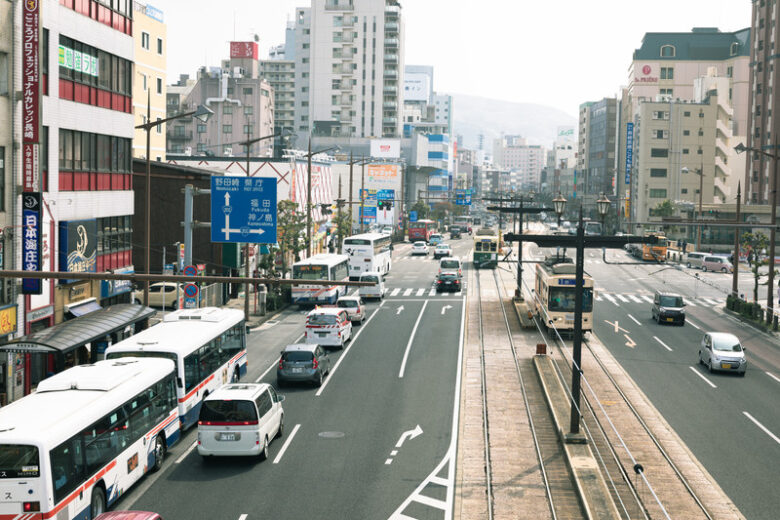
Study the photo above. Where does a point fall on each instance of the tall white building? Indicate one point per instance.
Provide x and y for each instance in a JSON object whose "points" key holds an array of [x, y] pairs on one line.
{"points": [[353, 64]]}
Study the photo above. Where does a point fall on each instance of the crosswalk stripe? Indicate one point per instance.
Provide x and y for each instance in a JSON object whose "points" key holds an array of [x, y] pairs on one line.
{"points": [[710, 301], [612, 299], [408, 292], [634, 298], [432, 292], [395, 291], [691, 303], [599, 299], [420, 292], [622, 298], [459, 293], [647, 298]]}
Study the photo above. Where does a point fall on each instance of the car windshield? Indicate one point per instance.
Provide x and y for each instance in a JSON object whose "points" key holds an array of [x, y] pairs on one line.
{"points": [[726, 345], [347, 304], [671, 301], [449, 264], [443, 246], [448, 276], [322, 319], [297, 355], [369, 279], [419, 244], [227, 411]]}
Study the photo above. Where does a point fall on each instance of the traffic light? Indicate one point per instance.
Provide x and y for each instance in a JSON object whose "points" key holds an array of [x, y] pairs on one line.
{"points": [[325, 208]]}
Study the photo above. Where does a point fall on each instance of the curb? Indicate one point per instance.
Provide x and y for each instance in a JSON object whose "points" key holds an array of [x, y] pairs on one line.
{"points": [[751, 323]]}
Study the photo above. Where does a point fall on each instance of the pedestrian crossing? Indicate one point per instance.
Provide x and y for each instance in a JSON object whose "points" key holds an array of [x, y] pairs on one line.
{"points": [[418, 292], [621, 298]]}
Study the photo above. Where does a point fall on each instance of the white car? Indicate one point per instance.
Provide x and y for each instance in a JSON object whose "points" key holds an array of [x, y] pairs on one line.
{"points": [[722, 351], [387, 230], [420, 248], [442, 250]]}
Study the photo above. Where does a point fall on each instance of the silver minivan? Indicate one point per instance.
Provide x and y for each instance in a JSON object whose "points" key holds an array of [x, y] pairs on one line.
{"points": [[695, 259], [240, 419], [717, 263]]}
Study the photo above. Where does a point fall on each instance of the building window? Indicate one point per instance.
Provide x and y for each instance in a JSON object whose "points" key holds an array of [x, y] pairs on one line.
{"points": [[657, 172], [661, 134], [145, 40], [730, 71], [686, 132], [201, 148], [159, 46], [248, 110], [686, 114], [667, 72], [3, 73], [159, 85], [247, 91], [734, 49], [659, 152], [227, 129], [667, 51], [657, 193], [684, 190], [227, 109], [660, 114], [664, 92], [201, 128], [699, 152], [249, 129]]}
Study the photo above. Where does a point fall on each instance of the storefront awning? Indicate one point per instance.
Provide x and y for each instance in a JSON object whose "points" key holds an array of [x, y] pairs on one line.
{"points": [[71, 334], [83, 307]]}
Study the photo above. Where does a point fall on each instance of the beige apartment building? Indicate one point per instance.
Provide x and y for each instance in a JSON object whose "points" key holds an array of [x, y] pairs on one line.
{"points": [[150, 79]]}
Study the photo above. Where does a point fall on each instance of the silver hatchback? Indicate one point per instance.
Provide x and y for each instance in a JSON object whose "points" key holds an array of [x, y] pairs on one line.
{"points": [[722, 351], [302, 362]]}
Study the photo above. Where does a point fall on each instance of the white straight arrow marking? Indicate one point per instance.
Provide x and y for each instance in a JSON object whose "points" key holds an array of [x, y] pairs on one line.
{"points": [[411, 434], [400, 310], [444, 309]]}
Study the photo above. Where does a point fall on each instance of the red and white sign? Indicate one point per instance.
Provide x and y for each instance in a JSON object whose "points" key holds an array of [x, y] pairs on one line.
{"points": [[30, 166], [30, 70], [646, 77], [243, 50], [386, 148], [646, 70]]}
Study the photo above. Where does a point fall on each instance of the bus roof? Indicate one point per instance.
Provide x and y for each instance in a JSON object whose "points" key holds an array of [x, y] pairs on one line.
{"points": [[67, 402], [420, 221], [323, 258], [181, 331], [368, 236]]}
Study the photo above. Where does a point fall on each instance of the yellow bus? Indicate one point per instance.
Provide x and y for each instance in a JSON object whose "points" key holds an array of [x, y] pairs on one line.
{"points": [[655, 252]]}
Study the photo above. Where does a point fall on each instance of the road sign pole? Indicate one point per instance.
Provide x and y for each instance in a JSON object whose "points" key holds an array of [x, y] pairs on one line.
{"points": [[188, 196]]}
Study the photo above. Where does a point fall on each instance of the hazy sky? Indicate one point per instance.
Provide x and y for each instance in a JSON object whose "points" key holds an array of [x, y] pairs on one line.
{"points": [[557, 53]]}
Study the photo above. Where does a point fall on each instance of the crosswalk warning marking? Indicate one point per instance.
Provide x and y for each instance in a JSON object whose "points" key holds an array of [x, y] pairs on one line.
{"points": [[395, 291], [622, 298], [408, 292], [420, 292], [637, 300], [432, 292], [647, 298]]}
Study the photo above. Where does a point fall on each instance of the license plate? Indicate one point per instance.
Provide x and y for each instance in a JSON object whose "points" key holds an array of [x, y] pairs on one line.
{"points": [[669, 319], [297, 370], [725, 365], [229, 436], [322, 334], [570, 317]]}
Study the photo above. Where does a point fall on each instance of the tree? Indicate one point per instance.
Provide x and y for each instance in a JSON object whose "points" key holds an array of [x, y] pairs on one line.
{"points": [[343, 226], [441, 210], [422, 209], [754, 244], [290, 226], [664, 209]]}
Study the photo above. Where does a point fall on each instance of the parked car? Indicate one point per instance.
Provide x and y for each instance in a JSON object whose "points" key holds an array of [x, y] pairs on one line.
{"points": [[240, 419], [420, 248], [161, 294], [695, 259], [716, 263], [722, 351], [354, 306], [302, 362], [668, 308], [435, 239], [442, 250], [448, 281]]}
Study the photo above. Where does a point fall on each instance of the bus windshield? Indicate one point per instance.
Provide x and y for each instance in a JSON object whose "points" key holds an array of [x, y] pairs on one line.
{"points": [[562, 299], [19, 461], [310, 272]]}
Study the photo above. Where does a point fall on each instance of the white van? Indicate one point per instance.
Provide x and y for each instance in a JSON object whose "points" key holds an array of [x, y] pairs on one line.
{"points": [[240, 419], [328, 327], [717, 263], [372, 291], [695, 259]]}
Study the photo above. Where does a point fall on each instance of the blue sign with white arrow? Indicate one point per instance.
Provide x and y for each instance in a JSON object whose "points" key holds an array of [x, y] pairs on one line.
{"points": [[243, 209]]}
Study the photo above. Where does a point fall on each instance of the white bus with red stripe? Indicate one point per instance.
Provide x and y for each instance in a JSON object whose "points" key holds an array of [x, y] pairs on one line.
{"points": [[208, 346], [85, 436], [320, 267], [369, 252]]}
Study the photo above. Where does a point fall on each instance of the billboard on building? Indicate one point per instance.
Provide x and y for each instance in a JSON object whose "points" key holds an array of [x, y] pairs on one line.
{"points": [[382, 174], [386, 148], [417, 87], [243, 50], [78, 246], [565, 133]]}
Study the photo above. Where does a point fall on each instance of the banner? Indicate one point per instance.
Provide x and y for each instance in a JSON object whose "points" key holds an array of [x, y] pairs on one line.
{"points": [[383, 174], [31, 241], [30, 70], [629, 151]]}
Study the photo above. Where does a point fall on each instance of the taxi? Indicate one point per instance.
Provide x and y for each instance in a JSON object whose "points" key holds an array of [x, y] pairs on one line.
{"points": [[328, 327]]}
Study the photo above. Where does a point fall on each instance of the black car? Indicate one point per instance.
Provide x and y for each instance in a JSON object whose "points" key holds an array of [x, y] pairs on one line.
{"points": [[455, 232], [448, 281], [668, 308]]}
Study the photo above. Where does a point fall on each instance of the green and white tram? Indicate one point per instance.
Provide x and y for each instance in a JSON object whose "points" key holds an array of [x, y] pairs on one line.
{"points": [[486, 248], [555, 287]]}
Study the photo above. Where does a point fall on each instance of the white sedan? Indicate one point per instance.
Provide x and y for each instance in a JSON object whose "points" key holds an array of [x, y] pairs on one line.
{"points": [[420, 248]]}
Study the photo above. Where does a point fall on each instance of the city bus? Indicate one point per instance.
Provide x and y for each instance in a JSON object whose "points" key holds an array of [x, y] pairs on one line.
{"points": [[655, 252], [421, 230], [369, 252], [554, 288], [208, 346], [486, 249], [87, 434], [465, 223], [323, 266]]}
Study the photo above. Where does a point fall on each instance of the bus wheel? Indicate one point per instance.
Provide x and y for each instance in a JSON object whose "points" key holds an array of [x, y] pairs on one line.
{"points": [[159, 453], [97, 502]]}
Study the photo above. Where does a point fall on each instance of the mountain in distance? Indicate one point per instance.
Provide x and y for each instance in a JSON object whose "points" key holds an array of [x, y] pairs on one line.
{"points": [[493, 117]]}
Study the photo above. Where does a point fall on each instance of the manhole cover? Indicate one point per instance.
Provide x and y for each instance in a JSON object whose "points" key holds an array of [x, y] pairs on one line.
{"points": [[331, 435]]}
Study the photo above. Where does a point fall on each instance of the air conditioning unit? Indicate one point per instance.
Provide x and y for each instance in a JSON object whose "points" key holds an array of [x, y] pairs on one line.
{"points": [[228, 150], [239, 72], [188, 150]]}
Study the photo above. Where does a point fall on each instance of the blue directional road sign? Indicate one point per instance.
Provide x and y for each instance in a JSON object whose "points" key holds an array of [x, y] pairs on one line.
{"points": [[385, 195], [412, 216], [463, 197], [243, 209]]}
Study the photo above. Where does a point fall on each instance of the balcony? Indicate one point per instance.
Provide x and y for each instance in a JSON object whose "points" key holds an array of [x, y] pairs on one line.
{"points": [[340, 6], [389, 120], [392, 10], [390, 90], [391, 58], [391, 74], [391, 27], [391, 42], [180, 136], [390, 104]]}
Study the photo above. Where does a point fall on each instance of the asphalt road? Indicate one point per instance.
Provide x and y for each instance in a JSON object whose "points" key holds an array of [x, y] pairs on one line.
{"points": [[730, 423], [344, 452]]}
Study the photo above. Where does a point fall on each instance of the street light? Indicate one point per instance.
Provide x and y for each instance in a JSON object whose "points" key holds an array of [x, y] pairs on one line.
{"points": [[700, 173], [770, 302], [559, 203], [603, 204], [202, 113], [308, 194]]}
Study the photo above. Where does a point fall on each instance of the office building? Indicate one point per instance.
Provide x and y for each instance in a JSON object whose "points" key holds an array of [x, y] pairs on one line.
{"points": [[150, 81], [597, 147]]}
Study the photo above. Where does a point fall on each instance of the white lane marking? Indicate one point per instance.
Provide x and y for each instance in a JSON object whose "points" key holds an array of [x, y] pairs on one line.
{"points": [[388, 461], [276, 361], [692, 324], [599, 298], [395, 291], [184, 455], [243, 517], [635, 320], [690, 303], [432, 292], [411, 339], [420, 292], [287, 443], [346, 351], [766, 430], [704, 378], [394, 453], [647, 298], [710, 301], [664, 345], [408, 292], [612, 299], [636, 299], [773, 376], [622, 298]]}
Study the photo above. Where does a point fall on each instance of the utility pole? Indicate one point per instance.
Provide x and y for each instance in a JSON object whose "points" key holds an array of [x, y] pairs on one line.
{"points": [[735, 274], [351, 215], [770, 282], [308, 201], [701, 195], [339, 204], [362, 192]]}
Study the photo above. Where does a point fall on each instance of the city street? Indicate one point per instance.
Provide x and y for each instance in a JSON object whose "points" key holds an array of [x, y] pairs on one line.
{"points": [[730, 423], [380, 426]]}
